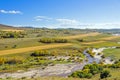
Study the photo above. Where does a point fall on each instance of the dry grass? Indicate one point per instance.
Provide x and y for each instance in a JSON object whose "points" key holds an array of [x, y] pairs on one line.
{"points": [[28, 49], [94, 42], [81, 35], [12, 30], [102, 40], [110, 38]]}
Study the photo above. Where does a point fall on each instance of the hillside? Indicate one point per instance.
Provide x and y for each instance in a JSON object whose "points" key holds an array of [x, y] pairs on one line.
{"points": [[6, 27]]}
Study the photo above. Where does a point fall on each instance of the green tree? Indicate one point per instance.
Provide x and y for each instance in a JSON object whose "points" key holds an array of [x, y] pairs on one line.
{"points": [[105, 74]]}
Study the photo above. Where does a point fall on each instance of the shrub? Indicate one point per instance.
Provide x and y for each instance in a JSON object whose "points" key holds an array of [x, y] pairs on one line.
{"points": [[14, 60], [105, 74], [88, 71], [14, 46], [12, 35], [90, 53], [81, 74], [80, 40], [11, 60], [41, 53], [2, 61], [52, 40]]}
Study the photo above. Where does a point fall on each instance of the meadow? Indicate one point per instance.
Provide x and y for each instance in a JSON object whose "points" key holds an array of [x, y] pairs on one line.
{"points": [[42, 47]]}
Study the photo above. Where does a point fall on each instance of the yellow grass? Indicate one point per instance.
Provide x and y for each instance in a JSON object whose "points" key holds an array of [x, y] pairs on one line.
{"points": [[81, 35], [94, 42], [12, 30], [103, 40], [27, 49], [110, 38]]}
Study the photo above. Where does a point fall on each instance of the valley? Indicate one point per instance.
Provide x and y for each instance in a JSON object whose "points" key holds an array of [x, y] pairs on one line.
{"points": [[43, 53]]}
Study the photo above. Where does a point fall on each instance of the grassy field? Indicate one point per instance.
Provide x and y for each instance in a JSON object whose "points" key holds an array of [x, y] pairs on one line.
{"points": [[19, 42], [114, 53], [12, 30], [93, 42], [78, 40], [102, 41], [7, 44], [100, 38], [110, 38], [80, 36], [28, 49]]}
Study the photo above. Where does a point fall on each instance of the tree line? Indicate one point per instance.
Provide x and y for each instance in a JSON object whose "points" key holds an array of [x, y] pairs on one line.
{"points": [[53, 40], [12, 34]]}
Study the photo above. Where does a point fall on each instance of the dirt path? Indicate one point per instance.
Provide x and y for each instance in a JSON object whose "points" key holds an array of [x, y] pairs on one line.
{"points": [[27, 49], [81, 35]]}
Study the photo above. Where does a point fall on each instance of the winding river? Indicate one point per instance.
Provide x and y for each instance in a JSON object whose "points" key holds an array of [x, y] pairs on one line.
{"points": [[59, 69]]}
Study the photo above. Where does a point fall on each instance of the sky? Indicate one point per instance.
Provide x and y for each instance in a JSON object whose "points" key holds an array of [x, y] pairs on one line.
{"points": [[61, 13]]}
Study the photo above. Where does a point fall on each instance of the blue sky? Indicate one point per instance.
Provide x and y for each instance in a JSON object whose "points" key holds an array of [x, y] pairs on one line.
{"points": [[61, 13]]}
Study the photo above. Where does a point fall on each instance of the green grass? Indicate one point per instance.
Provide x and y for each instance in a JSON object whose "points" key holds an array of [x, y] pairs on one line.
{"points": [[103, 44], [19, 42], [32, 40], [31, 62], [114, 53], [96, 38]]}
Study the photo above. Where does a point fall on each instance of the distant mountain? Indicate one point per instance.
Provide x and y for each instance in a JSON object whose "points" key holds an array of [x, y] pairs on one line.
{"points": [[6, 27]]}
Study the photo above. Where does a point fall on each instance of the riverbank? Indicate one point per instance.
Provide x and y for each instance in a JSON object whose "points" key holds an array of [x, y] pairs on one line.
{"points": [[62, 70]]}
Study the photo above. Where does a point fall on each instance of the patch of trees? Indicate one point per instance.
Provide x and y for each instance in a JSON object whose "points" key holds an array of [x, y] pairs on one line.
{"points": [[41, 53], [12, 35], [11, 60], [105, 74], [53, 40], [90, 70], [80, 40]]}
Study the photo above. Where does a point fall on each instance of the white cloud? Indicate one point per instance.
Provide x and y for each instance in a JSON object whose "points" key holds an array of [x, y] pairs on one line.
{"points": [[67, 21], [99, 25], [10, 12], [40, 18], [72, 23]]}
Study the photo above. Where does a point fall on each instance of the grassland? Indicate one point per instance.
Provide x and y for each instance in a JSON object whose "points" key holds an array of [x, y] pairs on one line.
{"points": [[28, 49], [80, 36], [12, 30], [32, 42], [100, 38], [114, 53], [78, 40], [103, 41]]}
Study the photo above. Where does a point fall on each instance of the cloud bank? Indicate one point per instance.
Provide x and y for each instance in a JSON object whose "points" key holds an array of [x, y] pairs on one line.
{"points": [[41, 18], [10, 12]]}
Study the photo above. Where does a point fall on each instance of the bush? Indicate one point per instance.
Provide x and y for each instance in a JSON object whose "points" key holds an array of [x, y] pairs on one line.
{"points": [[88, 71], [105, 74], [14, 60], [52, 40], [80, 40], [2, 61], [14, 46], [41, 53], [11, 60], [81, 74], [90, 53], [12, 35]]}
